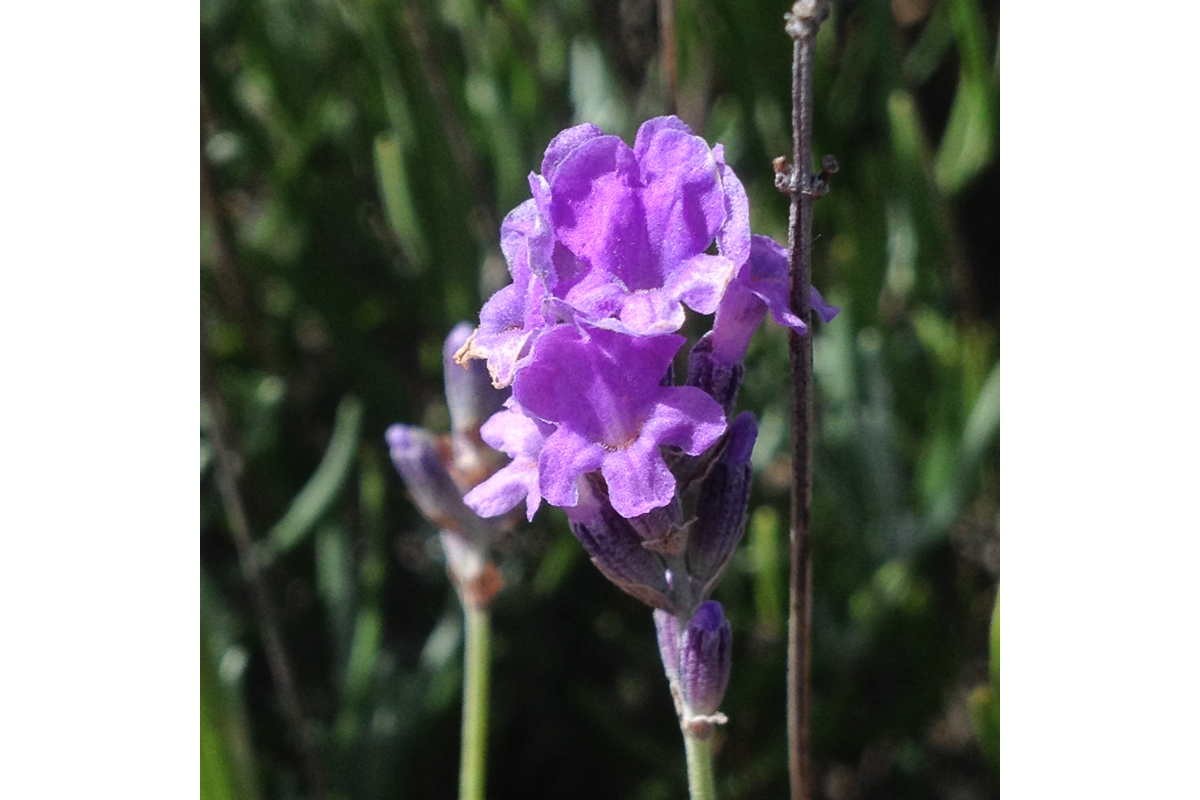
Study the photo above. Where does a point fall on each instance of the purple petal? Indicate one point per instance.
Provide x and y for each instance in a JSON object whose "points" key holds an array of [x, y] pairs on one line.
{"points": [[685, 417], [701, 281], [592, 292], [654, 126], [638, 478], [761, 285], [651, 311], [824, 310], [514, 434], [565, 458], [527, 243], [562, 145], [599, 385], [682, 198], [738, 317], [511, 484], [596, 212], [502, 334], [733, 240]]}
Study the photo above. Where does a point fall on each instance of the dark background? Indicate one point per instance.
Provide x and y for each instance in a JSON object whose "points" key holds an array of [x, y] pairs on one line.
{"points": [[356, 160]]}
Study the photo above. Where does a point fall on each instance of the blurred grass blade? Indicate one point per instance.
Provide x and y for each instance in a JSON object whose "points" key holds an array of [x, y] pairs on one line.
{"points": [[994, 646], [323, 487], [766, 558], [396, 191], [981, 429], [969, 143], [927, 53], [335, 581], [226, 761], [985, 700], [556, 565]]}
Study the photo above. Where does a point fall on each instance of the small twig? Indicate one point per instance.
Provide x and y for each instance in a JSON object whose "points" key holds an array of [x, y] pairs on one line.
{"points": [[667, 54], [802, 24], [226, 469]]}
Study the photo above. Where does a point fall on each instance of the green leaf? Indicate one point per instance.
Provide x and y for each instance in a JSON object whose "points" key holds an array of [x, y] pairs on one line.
{"points": [[323, 487]]}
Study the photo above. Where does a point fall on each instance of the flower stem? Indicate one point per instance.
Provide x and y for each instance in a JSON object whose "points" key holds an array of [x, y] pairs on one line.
{"points": [[472, 773], [802, 25], [701, 785]]}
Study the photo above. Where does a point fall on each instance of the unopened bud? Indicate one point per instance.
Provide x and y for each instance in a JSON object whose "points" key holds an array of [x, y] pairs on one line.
{"points": [[714, 375], [705, 657], [617, 551], [721, 507], [469, 392]]}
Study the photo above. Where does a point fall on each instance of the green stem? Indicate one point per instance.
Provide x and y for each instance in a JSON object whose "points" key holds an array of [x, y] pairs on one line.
{"points": [[472, 771], [701, 785]]}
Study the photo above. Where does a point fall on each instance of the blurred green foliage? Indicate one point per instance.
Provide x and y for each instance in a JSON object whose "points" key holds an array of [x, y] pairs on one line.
{"points": [[357, 156]]}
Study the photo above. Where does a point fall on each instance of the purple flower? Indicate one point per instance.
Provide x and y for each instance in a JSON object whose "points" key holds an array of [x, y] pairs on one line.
{"points": [[520, 437], [762, 284], [515, 313], [603, 391], [640, 220]]}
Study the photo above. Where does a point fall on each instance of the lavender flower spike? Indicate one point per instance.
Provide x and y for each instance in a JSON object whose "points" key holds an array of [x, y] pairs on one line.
{"points": [[603, 391], [415, 454], [705, 657]]}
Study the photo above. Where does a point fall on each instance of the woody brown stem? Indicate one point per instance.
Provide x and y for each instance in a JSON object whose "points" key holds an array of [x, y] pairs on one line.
{"points": [[802, 24]]}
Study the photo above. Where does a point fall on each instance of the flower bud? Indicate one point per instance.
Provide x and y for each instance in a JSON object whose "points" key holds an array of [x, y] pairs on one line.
{"points": [[617, 551], [415, 455], [714, 375], [469, 392], [705, 651], [721, 507]]}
